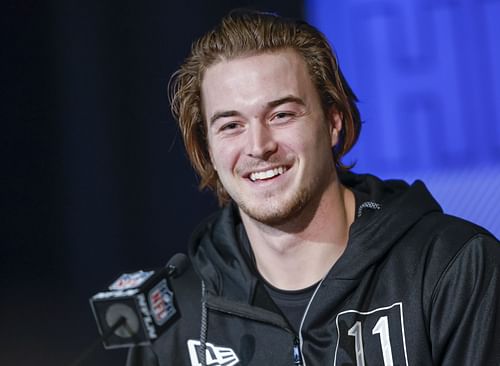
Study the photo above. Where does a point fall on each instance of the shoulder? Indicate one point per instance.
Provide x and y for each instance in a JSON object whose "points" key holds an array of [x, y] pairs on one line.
{"points": [[448, 236], [436, 240], [462, 293], [457, 253], [443, 236]]}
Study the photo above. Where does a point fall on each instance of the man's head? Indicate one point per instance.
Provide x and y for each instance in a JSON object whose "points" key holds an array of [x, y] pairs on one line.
{"points": [[245, 34]]}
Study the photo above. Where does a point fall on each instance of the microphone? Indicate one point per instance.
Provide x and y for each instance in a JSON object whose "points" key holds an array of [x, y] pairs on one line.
{"points": [[136, 308]]}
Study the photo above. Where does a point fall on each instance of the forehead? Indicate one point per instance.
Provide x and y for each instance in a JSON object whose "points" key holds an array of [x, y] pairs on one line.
{"points": [[255, 79]]}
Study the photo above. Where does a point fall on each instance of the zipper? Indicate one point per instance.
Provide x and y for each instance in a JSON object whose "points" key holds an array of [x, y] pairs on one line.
{"points": [[297, 354], [301, 340]]}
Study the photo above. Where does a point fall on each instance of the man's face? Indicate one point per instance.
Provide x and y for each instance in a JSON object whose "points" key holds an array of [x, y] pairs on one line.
{"points": [[269, 139]]}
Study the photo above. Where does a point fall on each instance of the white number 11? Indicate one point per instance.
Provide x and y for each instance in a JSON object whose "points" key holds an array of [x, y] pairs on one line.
{"points": [[382, 329]]}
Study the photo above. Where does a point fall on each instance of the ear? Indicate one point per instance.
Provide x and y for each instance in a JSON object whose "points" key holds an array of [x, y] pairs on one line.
{"points": [[335, 125]]}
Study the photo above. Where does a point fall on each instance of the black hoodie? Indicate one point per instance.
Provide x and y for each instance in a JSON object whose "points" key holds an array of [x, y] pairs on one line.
{"points": [[413, 287]]}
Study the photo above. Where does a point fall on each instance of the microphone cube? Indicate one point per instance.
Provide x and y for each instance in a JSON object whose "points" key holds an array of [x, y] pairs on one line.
{"points": [[141, 302]]}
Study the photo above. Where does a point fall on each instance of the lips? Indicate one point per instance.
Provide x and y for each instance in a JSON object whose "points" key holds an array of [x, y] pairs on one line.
{"points": [[267, 174]]}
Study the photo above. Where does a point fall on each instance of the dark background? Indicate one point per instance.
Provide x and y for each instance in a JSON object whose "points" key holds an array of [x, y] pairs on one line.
{"points": [[94, 179]]}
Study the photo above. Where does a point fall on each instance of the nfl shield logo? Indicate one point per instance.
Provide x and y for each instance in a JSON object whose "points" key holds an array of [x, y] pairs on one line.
{"points": [[161, 300]]}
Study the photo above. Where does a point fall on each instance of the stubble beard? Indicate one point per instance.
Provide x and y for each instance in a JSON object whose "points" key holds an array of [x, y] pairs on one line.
{"points": [[276, 212]]}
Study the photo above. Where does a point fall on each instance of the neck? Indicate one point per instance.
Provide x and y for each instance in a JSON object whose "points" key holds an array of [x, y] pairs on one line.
{"points": [[297, 255]]}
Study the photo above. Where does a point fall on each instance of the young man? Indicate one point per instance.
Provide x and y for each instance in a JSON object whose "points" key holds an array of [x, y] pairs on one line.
{"points": [[307, 263]]}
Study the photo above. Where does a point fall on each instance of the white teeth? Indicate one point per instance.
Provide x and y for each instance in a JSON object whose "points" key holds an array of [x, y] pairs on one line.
{"points": [[267, 174]]}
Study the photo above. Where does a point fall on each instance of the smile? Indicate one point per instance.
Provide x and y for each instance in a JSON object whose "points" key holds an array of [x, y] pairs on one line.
{"points": [[267, 174]]}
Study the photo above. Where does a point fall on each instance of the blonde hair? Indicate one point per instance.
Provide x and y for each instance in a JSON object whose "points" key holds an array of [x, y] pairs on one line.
{"points": [[243, 33]]}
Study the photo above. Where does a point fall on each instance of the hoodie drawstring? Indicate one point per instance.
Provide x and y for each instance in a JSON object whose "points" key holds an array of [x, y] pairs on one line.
{"points": [[204, 327]]}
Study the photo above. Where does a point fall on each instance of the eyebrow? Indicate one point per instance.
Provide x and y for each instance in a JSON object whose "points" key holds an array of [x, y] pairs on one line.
{"points": [[284, 100], [271, 104], [223, 114]]}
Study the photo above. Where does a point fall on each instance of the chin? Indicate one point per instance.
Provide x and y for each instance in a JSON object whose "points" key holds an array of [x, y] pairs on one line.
{"points": [[275, 211]]}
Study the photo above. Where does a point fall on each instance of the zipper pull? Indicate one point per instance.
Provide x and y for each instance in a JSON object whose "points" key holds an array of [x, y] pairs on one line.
{"points": [[297, 357]]}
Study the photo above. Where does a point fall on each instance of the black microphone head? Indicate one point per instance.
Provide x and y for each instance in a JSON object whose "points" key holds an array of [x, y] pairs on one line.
{"points": [[177, 264]]}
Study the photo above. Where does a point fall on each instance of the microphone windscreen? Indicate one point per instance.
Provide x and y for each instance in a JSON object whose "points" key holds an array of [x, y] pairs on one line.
{"points": [[177, 264]]}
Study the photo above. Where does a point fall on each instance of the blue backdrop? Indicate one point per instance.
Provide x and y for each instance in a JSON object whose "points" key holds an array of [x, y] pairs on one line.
{"points": [[427, 74]]}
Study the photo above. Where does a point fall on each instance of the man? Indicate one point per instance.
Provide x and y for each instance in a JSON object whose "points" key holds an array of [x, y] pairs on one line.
{"points": [[307, 263]]}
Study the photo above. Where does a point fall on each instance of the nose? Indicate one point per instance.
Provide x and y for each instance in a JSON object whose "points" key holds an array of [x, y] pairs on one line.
{"points": [[261, 143]]}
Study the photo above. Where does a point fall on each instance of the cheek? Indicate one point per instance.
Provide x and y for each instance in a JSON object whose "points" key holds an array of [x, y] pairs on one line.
{"points": [[224, 156], [306, 140], [317, 146]]}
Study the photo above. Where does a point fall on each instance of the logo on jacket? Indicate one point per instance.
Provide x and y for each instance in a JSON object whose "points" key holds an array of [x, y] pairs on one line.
{"points": [[215, 356]]}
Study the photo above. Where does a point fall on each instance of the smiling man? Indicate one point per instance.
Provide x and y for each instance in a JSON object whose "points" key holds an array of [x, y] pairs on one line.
{"points": [[308, 263], [270, 142]]}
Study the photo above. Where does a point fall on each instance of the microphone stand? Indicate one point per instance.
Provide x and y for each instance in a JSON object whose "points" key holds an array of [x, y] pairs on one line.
{"points": [[122, 321]]}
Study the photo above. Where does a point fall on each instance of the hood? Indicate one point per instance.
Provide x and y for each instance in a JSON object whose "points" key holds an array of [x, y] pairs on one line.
{"points": [[399, 206], [392, 207]]}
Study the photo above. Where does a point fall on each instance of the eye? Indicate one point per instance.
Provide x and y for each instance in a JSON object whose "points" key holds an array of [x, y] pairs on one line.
{"points": [[281, 117], [229, 126]]}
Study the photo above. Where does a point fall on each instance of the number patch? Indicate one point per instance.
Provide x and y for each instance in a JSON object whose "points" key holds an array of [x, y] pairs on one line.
{"points": [[371, 338]]}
